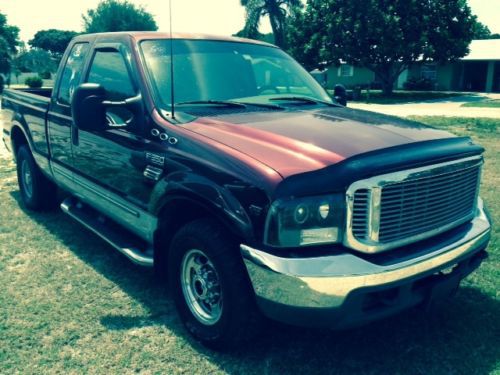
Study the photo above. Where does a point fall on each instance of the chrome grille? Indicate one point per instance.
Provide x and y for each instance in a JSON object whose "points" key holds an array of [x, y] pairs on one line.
{"points": [[414, 207], [360, 213], [399, 208]]}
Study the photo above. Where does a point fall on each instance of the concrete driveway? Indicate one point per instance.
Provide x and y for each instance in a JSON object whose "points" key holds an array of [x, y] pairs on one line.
{"points": [[438, 107]]}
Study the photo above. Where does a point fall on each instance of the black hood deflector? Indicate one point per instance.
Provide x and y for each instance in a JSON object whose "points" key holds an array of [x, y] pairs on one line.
{"points": [[338, 177]]}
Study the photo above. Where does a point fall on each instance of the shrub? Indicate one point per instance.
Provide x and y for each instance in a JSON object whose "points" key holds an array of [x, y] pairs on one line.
{"points": [[1, 83], [46, 75], [418, 84], [33, 82]]}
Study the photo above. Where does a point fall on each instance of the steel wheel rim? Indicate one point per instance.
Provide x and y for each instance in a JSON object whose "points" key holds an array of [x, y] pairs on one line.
{"points": [[27, 179], [201, 287]]}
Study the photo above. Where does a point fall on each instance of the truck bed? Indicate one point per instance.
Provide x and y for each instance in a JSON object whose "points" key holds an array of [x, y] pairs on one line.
{"points": [[39, 98], [30, 107]]}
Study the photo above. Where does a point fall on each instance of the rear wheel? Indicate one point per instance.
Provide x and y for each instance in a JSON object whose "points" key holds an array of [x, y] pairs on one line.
{"points": [[37, 191], [210, 286]]}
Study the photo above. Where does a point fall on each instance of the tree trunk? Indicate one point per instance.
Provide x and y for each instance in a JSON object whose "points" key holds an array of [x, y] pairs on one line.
{"points": [[387, 88], [387, 77], [276, 19]]}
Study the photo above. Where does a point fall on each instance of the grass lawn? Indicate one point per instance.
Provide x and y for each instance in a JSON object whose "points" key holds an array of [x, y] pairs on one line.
{"points": [[493, 103], [401, 97], [69, 303]]}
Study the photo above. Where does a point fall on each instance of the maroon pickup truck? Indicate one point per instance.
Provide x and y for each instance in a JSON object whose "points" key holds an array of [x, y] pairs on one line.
{"points": [[222, 163]]}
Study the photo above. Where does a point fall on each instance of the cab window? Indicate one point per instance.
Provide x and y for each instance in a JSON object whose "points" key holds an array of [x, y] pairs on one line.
{"points": [[72, 73], [110, 71]]}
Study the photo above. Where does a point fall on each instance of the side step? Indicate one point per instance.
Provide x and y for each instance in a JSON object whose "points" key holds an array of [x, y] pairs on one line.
{"points": [[134, 248]]}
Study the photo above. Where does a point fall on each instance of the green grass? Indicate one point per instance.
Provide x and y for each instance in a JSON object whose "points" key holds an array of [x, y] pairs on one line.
{"points": [[492, 103], [70, 304], [402, 97], [469, 126]]}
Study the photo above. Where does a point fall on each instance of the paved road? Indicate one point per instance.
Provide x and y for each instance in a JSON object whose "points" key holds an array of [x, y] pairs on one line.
{"points": [[442, 107]]}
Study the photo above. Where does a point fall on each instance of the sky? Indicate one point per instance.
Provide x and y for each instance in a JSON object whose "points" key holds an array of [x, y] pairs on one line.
{"points": [[223, 17]]}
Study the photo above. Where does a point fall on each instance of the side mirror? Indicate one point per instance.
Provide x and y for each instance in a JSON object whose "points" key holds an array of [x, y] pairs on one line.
{"points": [[87, 106], [340, 94]]}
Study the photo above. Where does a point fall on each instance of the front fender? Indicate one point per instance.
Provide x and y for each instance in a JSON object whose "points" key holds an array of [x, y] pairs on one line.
{"points": [[215, 198]]}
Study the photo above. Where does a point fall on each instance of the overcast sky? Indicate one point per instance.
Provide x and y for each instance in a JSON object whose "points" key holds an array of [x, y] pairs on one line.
{"points": [[224, 17]]}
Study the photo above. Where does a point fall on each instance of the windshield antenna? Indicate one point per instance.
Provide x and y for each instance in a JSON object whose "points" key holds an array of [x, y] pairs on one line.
{"points": [[171, 63]]}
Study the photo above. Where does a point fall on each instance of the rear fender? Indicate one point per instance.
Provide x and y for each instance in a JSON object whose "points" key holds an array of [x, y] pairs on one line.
{"points": [[19, 125]]}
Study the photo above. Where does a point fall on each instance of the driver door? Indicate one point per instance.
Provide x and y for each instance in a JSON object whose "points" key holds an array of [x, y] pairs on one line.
{"points": [[109, 160]]}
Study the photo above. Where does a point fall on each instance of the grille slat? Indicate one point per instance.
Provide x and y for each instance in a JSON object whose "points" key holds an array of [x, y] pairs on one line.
{"points": [[438, 203], [424, 222], [419, 205], [397, 235], [435, 182], [415, 194], [459, 185]]}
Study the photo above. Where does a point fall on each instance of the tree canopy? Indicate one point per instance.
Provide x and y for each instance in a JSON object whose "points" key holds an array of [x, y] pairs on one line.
{"points": [[118, 15], [52, 40], [277, 11], [481, 31], [35, 60], [9, 39], [385, 36], [268, 38]]}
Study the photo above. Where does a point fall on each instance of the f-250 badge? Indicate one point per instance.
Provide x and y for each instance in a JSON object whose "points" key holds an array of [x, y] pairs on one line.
{"points": [[155, 159]]}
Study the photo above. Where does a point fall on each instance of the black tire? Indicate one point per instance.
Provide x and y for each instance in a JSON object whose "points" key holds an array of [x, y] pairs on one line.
{"points": [[38, 193], [239, 318]]}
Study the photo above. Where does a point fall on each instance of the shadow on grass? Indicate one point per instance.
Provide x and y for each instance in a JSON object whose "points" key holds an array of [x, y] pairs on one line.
{"points": [[461, 338]]}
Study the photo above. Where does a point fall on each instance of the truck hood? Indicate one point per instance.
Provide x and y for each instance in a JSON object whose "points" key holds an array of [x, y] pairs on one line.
{"points": [[296, 141]]}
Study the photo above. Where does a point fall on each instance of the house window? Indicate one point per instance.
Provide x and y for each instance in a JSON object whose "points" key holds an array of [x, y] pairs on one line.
{"points": [[346, 70], [428, 71]]}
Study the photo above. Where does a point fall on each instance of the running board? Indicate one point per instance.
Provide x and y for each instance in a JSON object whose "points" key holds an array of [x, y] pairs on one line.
{"points": [[134, 248]]}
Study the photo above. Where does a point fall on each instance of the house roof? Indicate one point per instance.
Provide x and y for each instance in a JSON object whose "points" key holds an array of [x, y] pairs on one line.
{"points": [[488, 49]]}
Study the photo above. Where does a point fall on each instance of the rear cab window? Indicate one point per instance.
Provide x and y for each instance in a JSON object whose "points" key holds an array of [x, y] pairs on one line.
{"points": [[70, 78]]}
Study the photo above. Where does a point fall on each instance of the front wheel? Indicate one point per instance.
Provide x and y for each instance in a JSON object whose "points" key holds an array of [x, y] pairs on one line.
{"points": [[210, 286]]}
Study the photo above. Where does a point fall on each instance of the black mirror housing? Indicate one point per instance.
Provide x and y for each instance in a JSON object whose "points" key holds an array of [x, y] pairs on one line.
{"points": [[87, 106]]}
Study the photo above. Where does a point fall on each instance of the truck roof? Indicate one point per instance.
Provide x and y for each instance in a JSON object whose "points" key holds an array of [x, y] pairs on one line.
{"points": [[143, 35]]}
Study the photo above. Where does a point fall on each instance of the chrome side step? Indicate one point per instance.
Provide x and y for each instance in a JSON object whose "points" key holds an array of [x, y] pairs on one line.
{"points": [[134, 248]]}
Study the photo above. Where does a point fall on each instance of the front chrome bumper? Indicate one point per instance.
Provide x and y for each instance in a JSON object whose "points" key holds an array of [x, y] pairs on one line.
{"points": [[325, 283]]}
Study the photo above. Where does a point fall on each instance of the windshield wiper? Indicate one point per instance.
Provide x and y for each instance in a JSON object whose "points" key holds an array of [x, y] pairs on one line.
{"points": [[263, 105], [225, 103], [301, 99]]}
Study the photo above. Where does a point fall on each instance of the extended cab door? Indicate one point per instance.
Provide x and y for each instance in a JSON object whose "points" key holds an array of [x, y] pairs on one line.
{"points": [[59, 118], [109, 161]]}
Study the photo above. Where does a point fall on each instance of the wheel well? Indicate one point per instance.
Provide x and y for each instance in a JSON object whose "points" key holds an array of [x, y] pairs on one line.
{"points": [[174, 215], [18, 139]]}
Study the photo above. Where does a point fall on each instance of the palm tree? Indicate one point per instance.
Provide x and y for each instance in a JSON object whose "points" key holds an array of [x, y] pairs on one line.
{"points": [[277, 12]]}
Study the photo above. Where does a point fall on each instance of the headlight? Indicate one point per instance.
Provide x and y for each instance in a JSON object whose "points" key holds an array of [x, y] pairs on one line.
{"points": [[305, 221]]}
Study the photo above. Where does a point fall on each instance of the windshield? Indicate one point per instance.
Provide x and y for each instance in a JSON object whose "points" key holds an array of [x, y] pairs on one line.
{"points": [[206, 70]]}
